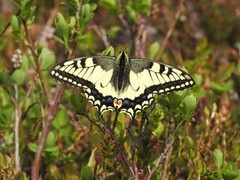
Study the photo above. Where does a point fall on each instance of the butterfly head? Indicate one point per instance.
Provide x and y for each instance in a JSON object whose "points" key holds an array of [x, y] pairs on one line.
{"points": [[123, 57]]}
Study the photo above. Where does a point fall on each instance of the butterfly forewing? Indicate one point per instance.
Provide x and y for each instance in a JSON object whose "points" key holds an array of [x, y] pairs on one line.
{"points": [[128, 85], [160, 78]]}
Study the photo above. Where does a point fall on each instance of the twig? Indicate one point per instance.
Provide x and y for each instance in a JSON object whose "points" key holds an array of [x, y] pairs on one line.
{"points": [[140, 38], [115, 121], [16, 129], [53, 107], [125, 25], [163, 154], [18, 116], [102, 35], [5, 29], [170, 31], [35, 57], [213, 133], [97, 125], [120, 150], [30, 88], [164, 173], [48, 120]]}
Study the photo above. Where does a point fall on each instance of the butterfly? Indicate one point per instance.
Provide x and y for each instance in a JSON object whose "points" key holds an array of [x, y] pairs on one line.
{"points": [[121, 83]]}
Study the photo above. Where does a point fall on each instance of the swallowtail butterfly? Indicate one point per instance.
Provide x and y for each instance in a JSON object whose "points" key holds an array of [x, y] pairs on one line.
{"points": [[123, 84]]}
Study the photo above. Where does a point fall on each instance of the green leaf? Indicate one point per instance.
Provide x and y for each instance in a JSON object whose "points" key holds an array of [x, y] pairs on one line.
{"points": [[48, 59], [16, 28], [86, 15], [190, 103], [221, 88], [25, 63], [112, 32], [51, 139], [153, 50], [159, 130], [111, 5], [131, 13], [230, 171], [33, 147], [53, 149], [140, 7], [92, 158], [203, 51], [218, 158], [79, 103], [62, 28], [96, 139], [86, 173], [15, 23], [61, 120], [191, 142], [19, 77], [4, 160], [4, 78]]}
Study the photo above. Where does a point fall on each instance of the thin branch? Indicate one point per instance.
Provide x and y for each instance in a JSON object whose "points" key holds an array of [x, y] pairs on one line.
{"points": [[16, 129], [102, 35], [30, 88], [35, 57], [115, 121], [163, 155], [140, 39], [48, 120], [5, 29], [120, 150], [170, 31], [97, 125], [164, 173], [52, 110]]}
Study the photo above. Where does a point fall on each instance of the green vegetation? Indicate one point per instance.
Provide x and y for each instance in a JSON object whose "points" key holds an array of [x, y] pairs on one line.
{"points": [[51, 132]]}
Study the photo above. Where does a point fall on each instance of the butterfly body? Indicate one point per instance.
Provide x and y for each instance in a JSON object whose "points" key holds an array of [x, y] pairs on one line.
{"points": [[124, 84]]}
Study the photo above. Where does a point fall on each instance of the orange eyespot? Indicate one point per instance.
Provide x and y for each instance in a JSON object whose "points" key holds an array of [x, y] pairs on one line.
{"points": [[117, 103]]}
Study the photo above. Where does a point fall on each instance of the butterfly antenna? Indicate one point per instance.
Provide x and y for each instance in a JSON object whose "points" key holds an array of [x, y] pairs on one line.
{"points": [[130, 43], [112, 41]]}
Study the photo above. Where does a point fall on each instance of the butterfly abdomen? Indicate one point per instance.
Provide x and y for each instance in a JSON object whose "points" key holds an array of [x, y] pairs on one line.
{"points": [[121, 72]]}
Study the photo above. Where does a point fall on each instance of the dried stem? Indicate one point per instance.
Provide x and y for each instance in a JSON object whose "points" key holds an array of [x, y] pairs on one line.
{"points": [[213, 134], [16, 129], [18, 116], [170, 31]]}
